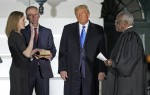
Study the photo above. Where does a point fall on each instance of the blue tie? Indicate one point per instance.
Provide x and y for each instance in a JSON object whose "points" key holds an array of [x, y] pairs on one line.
{"points": [[82, 37], [82, 52]]}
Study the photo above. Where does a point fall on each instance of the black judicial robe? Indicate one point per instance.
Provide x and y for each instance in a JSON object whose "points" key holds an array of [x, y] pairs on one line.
{"points": [[127, 74]]}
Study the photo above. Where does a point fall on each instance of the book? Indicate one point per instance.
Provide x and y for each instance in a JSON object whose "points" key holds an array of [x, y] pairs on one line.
{"points": [[44, 53]]}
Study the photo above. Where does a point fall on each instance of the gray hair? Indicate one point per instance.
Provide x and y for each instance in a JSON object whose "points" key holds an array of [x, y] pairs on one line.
{"points": [[127, 17]]}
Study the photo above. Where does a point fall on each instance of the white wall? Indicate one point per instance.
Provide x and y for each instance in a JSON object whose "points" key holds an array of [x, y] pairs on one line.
{"points": [[52, 8], [57, 13]]}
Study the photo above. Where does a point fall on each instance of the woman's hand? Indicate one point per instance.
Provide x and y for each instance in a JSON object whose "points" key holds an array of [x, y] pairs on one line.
{"points": [[32, 31]]}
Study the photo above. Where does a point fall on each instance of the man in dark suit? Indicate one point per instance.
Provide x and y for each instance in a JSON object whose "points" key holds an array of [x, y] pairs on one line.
{"points": [[78, 65], [40, 68]]}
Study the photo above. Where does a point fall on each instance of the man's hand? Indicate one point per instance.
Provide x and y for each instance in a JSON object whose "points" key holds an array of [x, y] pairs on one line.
{"points": [[108, 62], [34, 52], [101, 76], [48, 57], [63, 75]]}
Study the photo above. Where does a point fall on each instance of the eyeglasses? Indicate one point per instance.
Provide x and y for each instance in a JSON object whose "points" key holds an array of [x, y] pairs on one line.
{"points": [[118, 21]]}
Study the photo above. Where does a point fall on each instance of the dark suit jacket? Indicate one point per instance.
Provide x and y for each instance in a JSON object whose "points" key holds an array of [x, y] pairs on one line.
{"points": [[69, 53], [45, 41]]}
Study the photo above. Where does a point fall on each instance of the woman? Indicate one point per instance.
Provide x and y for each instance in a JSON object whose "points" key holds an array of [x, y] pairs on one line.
{"points": [[20, 53]]}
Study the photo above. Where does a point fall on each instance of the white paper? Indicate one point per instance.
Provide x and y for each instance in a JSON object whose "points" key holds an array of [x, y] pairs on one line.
{"points": [[101, 57]]}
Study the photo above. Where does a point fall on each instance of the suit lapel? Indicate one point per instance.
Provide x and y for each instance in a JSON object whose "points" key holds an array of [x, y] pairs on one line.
{"points": [[39, 36], [89, 34], [76, 33], [28, 32]]}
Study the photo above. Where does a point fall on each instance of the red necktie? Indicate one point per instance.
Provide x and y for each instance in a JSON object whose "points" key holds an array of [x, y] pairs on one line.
{"points": [[36, 34]]}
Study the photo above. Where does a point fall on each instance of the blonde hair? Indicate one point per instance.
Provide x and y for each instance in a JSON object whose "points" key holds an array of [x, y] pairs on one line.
{"points": [[80, 7], [12, 22]]}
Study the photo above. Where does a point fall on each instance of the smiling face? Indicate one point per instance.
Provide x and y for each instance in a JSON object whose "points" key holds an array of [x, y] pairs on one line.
{"points": [[82, 15]]}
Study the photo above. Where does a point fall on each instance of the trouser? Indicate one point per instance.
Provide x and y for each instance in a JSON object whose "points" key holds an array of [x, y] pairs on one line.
{"points": [[38, 83], [78, 86]]}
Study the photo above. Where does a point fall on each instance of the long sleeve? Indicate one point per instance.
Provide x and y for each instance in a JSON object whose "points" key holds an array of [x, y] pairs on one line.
{"points": [[62, 60], [128, 54], [51, 45]]}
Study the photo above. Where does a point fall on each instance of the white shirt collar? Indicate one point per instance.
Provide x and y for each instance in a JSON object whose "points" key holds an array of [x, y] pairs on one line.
{"points": [[128, 27], [86, 27]]}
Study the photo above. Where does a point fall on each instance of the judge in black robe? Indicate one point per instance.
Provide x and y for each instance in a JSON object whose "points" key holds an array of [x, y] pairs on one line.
{"points": [[126, 75]]}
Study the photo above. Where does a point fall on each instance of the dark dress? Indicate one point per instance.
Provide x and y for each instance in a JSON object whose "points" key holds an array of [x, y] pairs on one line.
{"points": [[128, 73], [19, 81]]}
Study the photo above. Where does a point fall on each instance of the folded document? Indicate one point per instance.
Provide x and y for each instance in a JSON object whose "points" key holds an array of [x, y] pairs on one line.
{"points": [[101, 57]]}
